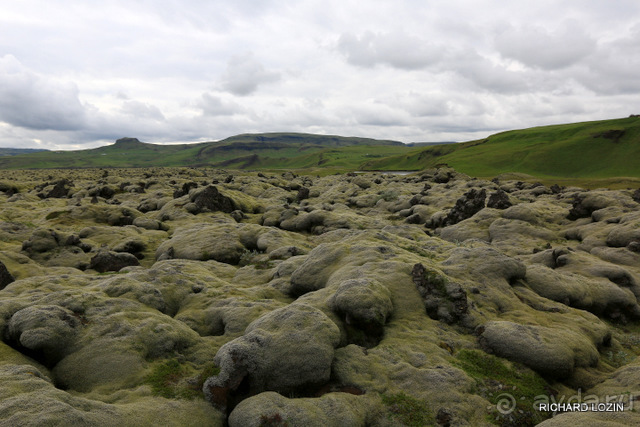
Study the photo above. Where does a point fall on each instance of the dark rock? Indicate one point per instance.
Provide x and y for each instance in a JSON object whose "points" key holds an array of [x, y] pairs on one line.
{"points": [[499, 200], [414, 219], [8, 190], [238, 215], [186, 187], [106, 192], [466, 206], [125, 217], [133, 247], [5, 276], [556, 189], [443, 300], [209, 199], [105, 261], [60, 190], [442, 177], [636, 196], [444, 417], [303, 193], [584, 205]]}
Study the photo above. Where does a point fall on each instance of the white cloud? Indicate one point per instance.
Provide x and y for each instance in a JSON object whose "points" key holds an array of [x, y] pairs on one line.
{"points": [[538, 47], [142, 110], [74, 75], [394, 49], [245, 73], [212, 105]]}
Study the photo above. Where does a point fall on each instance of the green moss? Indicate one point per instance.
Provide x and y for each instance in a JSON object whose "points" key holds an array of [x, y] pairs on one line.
{"points": [[256, 259], [165, 377], [419, 251], [172, 380], [408, 410], [498, 379], [388, 195]]}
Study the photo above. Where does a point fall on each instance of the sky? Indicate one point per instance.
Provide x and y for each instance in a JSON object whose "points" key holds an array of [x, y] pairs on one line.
{"points": [[80, 74]]}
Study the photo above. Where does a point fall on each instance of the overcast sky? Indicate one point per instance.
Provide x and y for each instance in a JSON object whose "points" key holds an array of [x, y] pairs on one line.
{"points": [[79, 74]]}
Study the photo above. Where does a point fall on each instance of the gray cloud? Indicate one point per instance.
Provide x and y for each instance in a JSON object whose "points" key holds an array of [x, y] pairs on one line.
{"points": [[245, 73], [142, 110], [394, 49], [72, 75], [212, 105], [537, 47], [32, 101]]}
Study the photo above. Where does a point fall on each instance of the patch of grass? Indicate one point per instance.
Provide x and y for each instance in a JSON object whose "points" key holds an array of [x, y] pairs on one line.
{"points": [[172, 380], [388, 195], [419, 251], [497, 379], [618, 358], [408, 410], [257, 259], [165, 377]]}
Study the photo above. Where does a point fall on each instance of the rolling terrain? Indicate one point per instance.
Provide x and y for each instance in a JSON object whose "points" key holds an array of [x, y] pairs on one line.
{"points": [[589, 154], [601, 149], [246, 151]]}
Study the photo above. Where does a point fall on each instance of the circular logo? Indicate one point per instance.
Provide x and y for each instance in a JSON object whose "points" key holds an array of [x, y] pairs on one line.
{"points": [[506, 403]]}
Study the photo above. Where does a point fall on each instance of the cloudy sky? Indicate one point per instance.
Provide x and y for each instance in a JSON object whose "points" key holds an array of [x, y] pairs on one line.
{"points": [[81, 74]]}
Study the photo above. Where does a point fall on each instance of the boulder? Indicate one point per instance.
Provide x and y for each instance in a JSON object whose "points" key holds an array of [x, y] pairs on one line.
{"points": [[209, 199], [105, 261], [313, 274], [331, 410], [499, 200], [45, 330], [220, 242], [466, 206], [264, 359], [363, 303], [596, 295], [443, 299], [5, 277], [552, 352]]}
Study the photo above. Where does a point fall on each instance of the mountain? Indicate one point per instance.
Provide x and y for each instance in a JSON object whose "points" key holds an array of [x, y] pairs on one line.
{"points": [[594, 150], [265, 150], [18, 151]]}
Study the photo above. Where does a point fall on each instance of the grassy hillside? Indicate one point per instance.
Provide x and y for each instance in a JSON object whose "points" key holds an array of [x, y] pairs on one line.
{"points": [[601, 149], [590, 152], [248, 151]]}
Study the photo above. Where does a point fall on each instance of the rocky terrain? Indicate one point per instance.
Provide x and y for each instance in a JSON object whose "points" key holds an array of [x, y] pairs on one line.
{"points": [[182, 297]]}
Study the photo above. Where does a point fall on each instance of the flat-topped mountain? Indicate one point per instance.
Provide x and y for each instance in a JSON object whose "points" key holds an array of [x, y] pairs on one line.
{"points": [[262, 150]]}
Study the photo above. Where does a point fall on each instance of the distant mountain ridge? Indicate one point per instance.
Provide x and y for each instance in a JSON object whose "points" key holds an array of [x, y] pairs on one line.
{"points": [[260, 150], [18, 151], [594, 150]]}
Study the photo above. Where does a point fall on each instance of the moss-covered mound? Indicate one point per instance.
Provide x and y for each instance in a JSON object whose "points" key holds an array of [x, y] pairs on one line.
{"points": [[209, 297]]}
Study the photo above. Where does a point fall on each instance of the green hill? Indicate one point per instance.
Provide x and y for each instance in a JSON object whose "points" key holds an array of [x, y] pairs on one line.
{"points": [[580, 151], [247, 151], [600, 149]]}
